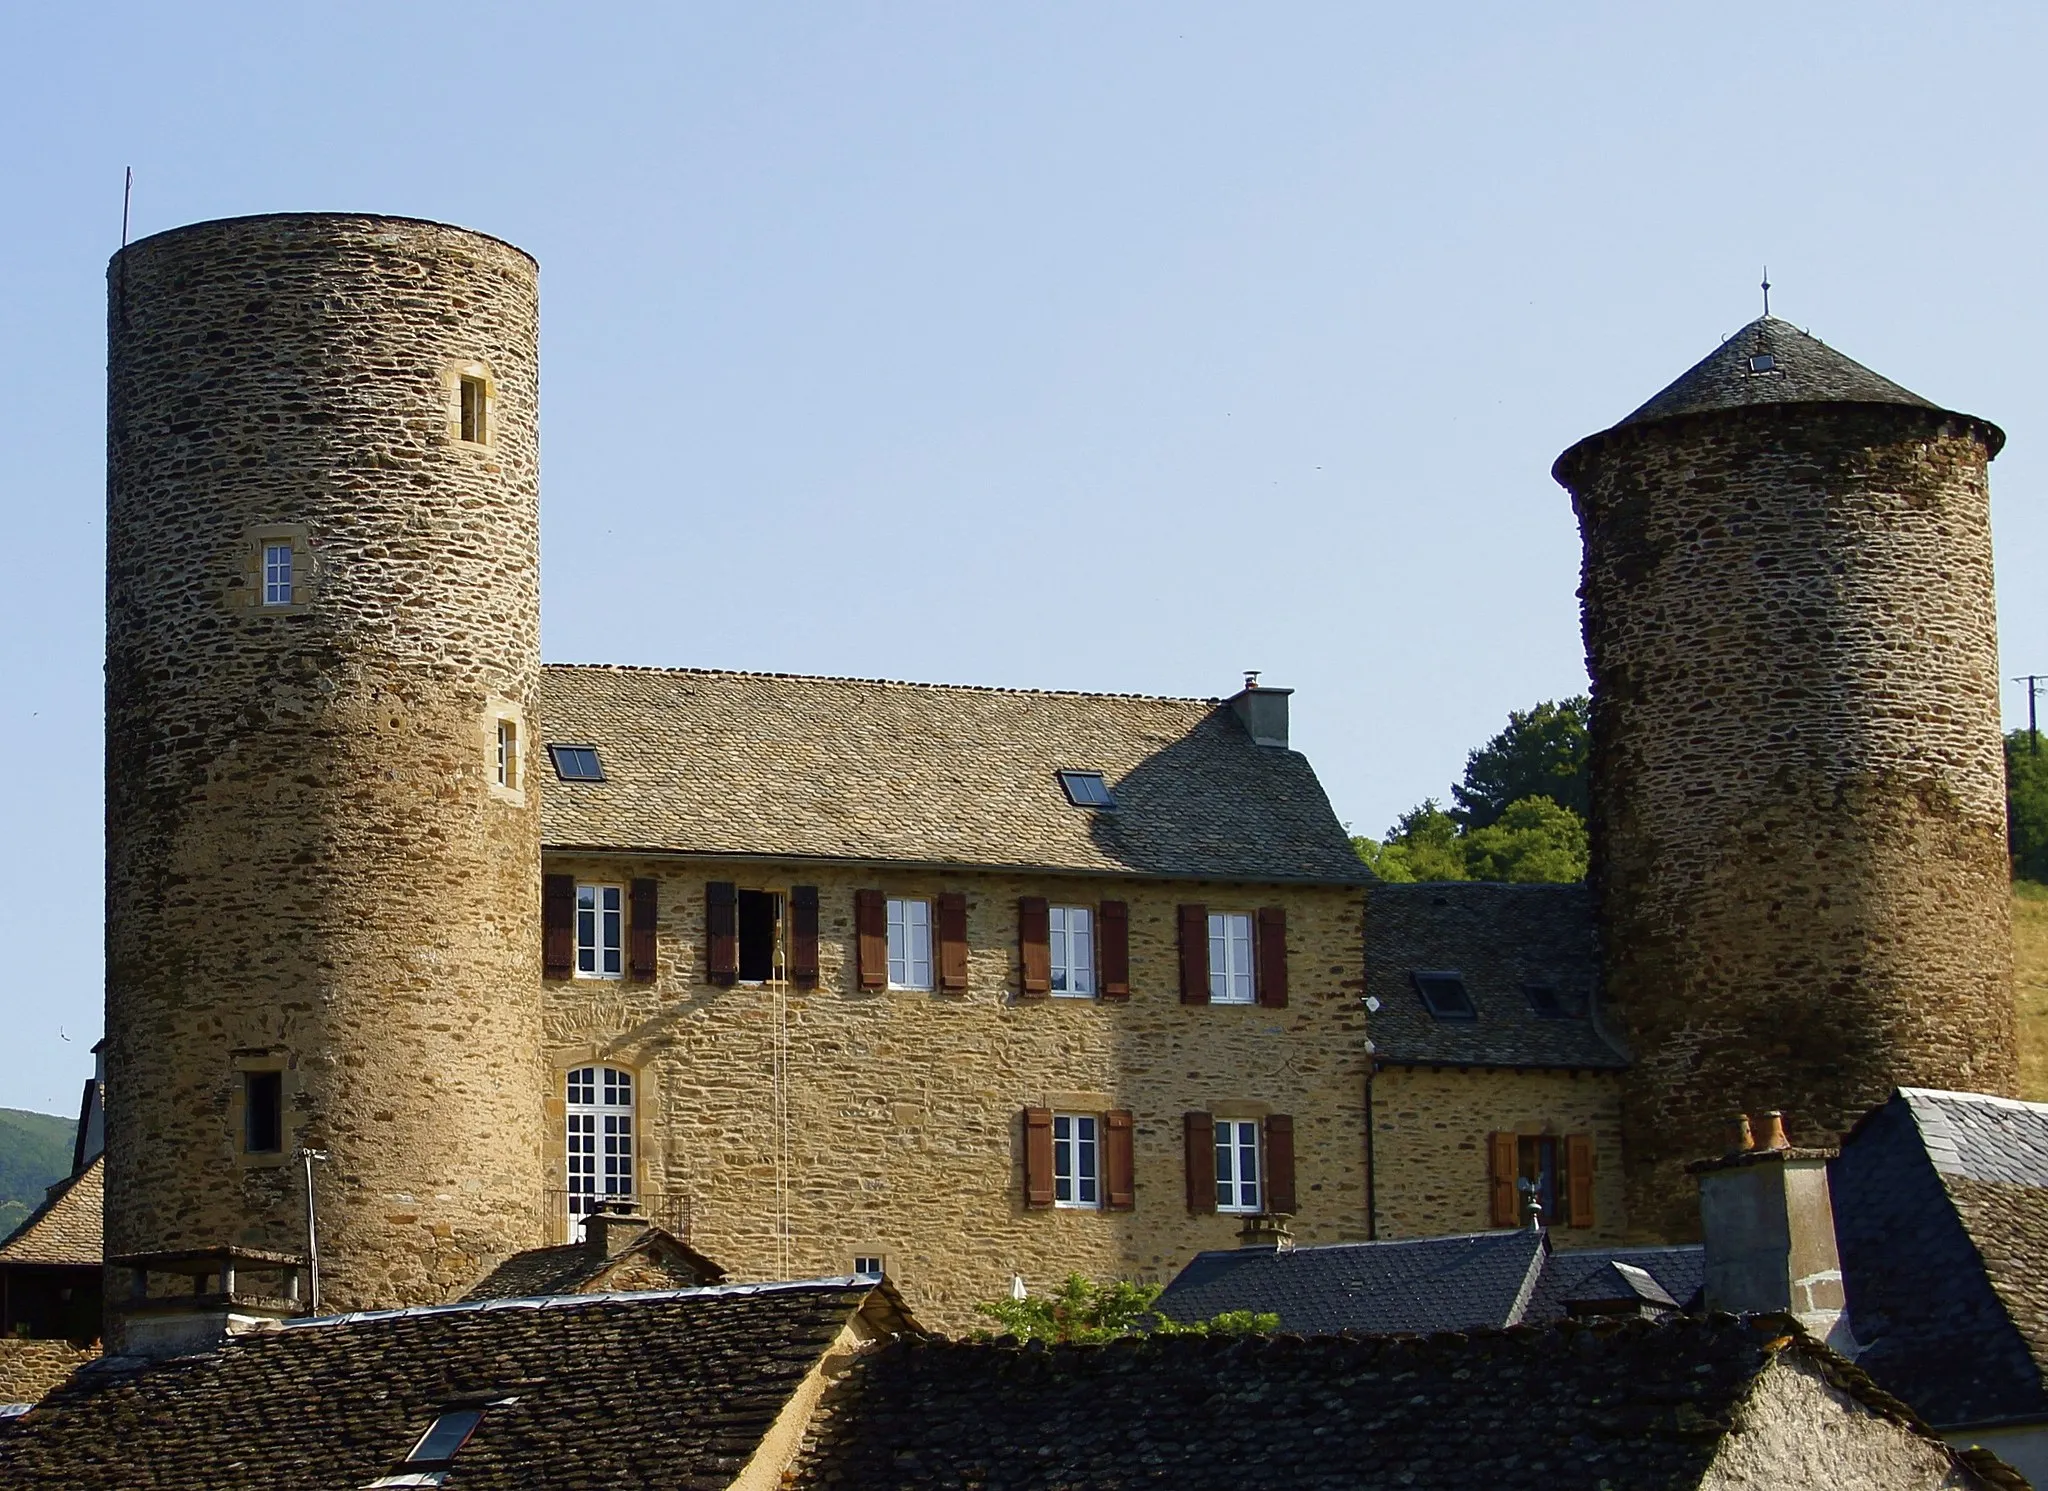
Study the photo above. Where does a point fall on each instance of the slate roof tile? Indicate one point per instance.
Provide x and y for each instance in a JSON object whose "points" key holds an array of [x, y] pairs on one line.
{"points": [[780, 766], [577, 1268], [67, 1228]]}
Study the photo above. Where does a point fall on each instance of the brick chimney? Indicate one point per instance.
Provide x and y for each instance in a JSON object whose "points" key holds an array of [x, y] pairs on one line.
{"points": [[612, 1228], [1769, 1227], [1263, 711]]}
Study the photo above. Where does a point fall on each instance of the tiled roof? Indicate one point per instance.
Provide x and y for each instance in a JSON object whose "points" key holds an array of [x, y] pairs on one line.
{"points": [[1502, 938], [578, 1268], [1941, 1215], [1626, 1404], [670, 1390], [1416, 1285], [66, 1228], [706, 762], [1803, 370]]}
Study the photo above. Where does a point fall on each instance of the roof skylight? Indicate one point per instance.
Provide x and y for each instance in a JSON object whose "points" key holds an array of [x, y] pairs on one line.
{"points": [[1444, 994], [1549, 1002], [575, 763], [431, 1457], [1086, 789]]}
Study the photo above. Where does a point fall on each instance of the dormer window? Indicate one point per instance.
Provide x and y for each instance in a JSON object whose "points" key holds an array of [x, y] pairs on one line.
{"points": [[1086, 789]]}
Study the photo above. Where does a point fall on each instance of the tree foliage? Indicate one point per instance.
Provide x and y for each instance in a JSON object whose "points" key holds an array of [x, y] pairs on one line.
{"points": [[2026, 807], [1535, 839], [1542, 753], [1085, 1313]]}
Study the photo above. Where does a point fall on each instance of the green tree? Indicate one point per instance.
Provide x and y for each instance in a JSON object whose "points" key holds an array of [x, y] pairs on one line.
{"points": [[1536, 839], [2026, 807], [1422, 845], [1085, 1313], [1542, 753]]}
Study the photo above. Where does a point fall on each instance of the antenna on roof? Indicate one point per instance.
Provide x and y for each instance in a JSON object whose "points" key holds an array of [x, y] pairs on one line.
{"points": [[127, 191], [1767, 290]]}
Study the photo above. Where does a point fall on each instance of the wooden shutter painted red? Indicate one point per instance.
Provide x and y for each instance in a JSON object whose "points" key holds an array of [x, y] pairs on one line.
{"points": [[1503, 1169], [953, 942], [803, 936], [1578, 1164], [1194, 957], [1200, 1132], [645, 907], [1034, 944], [1113, 948], [871, 929], [1272, 991], [722, 930], [558, 925], [1278, 1133], [1038, 1157], [1119, 1164]]}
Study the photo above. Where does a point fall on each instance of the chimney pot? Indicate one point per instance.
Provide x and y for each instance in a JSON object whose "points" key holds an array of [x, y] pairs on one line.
{"points": [[1745, 1140], [1773, 1136]]}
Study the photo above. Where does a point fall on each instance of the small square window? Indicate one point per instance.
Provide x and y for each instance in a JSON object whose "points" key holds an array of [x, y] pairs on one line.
{"points": [[576, 763], [1444, 994], [910, 944], [277, 574], [475, 411], [1548, 1002], [1086, 789], [868, 1264]]}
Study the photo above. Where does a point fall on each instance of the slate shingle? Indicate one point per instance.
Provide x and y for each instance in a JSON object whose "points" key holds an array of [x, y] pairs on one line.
{"points": [[66, 1230]]}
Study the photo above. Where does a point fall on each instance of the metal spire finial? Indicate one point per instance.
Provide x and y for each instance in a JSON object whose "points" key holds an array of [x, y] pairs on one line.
{"points": [[1767, 291]]}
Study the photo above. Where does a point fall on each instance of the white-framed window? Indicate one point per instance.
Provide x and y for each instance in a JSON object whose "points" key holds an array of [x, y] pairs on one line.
{"points": [[1230, 958], [1237, 1164], [867, 1263], [600, 1137], [473, 411], [1076, 1161], [277, 574], [910, 944], [1073, 951], [508, 754], [600, 931]]}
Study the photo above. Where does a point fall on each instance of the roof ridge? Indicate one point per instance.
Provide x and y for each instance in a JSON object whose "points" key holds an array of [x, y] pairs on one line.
{"points": [[893, 683], [827, 1283], [1989, 1098]]}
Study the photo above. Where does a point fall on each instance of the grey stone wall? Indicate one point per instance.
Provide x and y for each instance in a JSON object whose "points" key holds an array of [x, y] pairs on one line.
{"points": [[1798, 790], [308, 868]]}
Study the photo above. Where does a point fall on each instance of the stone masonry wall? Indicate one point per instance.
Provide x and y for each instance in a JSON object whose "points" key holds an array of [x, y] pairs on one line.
{"points": [[29, 1369], [1798, 793], [308, 866], [902, 1135], [1429, 1144]]}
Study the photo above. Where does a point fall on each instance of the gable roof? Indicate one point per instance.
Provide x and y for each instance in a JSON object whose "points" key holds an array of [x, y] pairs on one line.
{"points": [[669, 1389], [779, 766], [66, 1230], [1941, 1218], [579, 1268], [1632, 1403], [1465, 1281], [1501, 938]]}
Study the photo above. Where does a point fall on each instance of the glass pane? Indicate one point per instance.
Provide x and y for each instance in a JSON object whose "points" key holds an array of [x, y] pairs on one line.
{"points": [[446, 1435]]}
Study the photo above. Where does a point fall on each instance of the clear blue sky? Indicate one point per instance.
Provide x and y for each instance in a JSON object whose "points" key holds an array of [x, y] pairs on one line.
{"points": [[1091, 346]]}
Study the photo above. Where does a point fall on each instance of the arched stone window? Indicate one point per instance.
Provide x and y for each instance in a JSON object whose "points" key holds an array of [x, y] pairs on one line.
{"points": [[600, 1139]]}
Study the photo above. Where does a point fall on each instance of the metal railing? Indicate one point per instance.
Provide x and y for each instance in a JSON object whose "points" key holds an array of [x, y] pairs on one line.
{"points": [[668, 1210]]}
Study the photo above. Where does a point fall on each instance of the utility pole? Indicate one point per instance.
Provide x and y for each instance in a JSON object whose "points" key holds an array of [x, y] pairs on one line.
{"points": [[308, 1154], [2033, 682]]}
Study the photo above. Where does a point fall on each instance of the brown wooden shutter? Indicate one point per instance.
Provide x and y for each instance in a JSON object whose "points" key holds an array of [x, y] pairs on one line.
{"points": [[1272, 956], [722, 930], [1113, 949], [1194, 957], [953, 942], [1578, 1163], [1503, 1169], [1038, 1157], [644, 906], [1034, 943], [871, 928], [1119, 1165], [1200, 1130], [558, 925], [1278, 1133], [803, 936]]}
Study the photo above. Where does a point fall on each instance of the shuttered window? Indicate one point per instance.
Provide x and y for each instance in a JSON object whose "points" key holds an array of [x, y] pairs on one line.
{"points": [[910, 944], [1578, 1167], [871, 925], [1113, 949], [1503, 1172], [1554, 1173], [952, 916], [1076, 1161], [1119, 1167], [1034, 946], [1072, 934], [1272, 957], [1199, 1132], [803, 936], [1038, 1180], [645, 907], [600, 931], [1194, 954], [558, 925], [1237, 1164], [722, 932]]}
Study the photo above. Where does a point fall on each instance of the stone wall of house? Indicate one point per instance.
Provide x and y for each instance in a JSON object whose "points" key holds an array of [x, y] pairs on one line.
{"points": [[889, 1123], [29, 1369], [310, 867], [1429, 1137], [1798, 830]]}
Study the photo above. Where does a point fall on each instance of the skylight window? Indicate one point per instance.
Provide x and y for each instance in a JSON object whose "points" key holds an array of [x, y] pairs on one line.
{"points": [[1549, 1002], [1762, 362], [1444, 995], [430, 1458], [1086, 789], [576, 763]]}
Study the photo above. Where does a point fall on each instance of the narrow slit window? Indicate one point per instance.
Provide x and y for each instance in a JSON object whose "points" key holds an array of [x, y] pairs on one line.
{"points": [[474, 410], [263, 1112], [508, 755], [760, 917], [277, 574]]}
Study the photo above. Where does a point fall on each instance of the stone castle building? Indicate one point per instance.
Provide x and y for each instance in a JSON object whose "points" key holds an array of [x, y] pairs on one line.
{"points": [[963, 985]]}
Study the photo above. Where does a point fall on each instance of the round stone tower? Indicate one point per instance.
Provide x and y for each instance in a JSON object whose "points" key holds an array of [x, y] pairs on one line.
{"points": [[323, 853], [1798, 787]]}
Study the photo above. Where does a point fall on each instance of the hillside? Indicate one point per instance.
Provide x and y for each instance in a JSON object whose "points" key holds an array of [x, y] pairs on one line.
{"points": [[35, 1153], [2030, 964]]}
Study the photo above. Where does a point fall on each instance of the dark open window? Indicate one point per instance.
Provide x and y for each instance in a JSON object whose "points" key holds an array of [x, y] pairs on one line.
{"points": [[263, 1112], [758, 913], [1086, 789], [1444, 994], [576, 763]]}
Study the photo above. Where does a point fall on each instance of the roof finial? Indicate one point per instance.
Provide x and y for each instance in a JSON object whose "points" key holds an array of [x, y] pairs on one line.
{"points": [[1767, 292]]}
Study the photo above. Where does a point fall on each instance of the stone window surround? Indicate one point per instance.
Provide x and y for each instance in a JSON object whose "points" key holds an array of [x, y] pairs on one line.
{"points": [[496, 711], [263, 1059], [648, 1175], [452, 376], [247, 592]]}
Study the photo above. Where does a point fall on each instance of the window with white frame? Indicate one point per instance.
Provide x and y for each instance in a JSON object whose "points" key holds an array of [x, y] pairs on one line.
{"points": [[1230, 958], [277, 574], [1073, 951], [600, 1138], [1076, 1161], [910, 944], [508, 754], [867, 1263], [1237, 1164], [600, 931]]}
